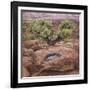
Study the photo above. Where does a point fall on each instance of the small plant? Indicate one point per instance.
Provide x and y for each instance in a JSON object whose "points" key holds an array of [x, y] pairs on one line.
{"points": [[67, 24], [65, 33], [28, 37], [42, 29], [65, 29], [32, 55], [46, 33], [39, 29]]}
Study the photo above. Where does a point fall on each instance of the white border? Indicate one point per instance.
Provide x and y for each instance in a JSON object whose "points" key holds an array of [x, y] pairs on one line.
{"points": [[51, 78]]}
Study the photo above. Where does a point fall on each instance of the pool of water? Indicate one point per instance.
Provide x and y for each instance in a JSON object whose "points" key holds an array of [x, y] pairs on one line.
{"points": [[52, 56]]}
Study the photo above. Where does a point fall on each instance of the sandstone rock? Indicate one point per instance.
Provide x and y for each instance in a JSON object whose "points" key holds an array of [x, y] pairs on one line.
{"points": [[66, 63], [27, 61], [25, 52], [35, 44], [25, 72]]}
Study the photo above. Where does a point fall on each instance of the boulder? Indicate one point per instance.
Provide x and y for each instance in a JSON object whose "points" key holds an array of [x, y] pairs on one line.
{"points": [[35, 44]]}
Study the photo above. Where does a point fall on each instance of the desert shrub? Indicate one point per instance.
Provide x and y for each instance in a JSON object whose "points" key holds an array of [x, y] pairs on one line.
{"points": [[65, 33], [38, 26], [67, 24], [28, 37], [46, 33], [39, 29], [34, 26], [65, 29]]}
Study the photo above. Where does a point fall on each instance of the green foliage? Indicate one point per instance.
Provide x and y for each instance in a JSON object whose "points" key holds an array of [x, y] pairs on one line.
{"points": [[38, 26], [65, 33], [46, 33], [42, 29], [39, 29], [67, 24], [31, 51], [65, 29], [28, 37]]}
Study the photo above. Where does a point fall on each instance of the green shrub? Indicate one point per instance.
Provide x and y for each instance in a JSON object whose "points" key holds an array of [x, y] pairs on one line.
{"points": [[65, 29], [67, 24], [65, 33], [42, 29], [38, 26], [28, 37], [46, 33], [39, 29]]}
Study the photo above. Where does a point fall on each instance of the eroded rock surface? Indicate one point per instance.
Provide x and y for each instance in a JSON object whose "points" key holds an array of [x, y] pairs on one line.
{"points": [[67, 61]]}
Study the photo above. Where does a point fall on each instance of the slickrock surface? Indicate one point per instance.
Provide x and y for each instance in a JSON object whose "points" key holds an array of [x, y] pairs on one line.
{"points": [[39, 63]]}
